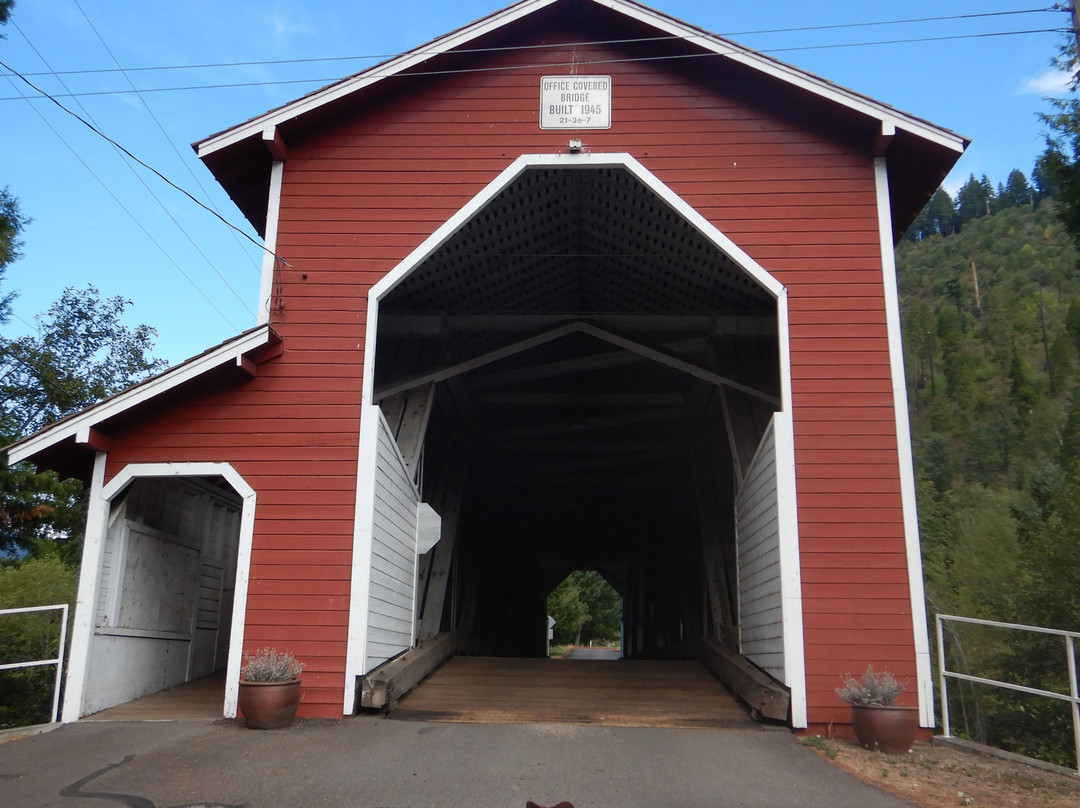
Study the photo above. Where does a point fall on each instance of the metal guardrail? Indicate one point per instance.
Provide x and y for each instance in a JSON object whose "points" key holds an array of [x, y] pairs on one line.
{"points": [[1070, 652], [58, 661]]}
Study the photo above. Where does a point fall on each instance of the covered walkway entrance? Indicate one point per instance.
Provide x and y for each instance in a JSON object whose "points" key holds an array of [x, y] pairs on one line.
{"points": [[579, 372]]}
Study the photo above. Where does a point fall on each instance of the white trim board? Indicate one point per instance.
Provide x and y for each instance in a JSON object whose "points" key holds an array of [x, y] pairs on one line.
{"points": [[788, 517], [101, 495], [72, 426], [924, 675]]}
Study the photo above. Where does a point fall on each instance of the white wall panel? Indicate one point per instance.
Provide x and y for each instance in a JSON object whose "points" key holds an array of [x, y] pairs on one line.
{"points": [[761, 633], [393, 554]]}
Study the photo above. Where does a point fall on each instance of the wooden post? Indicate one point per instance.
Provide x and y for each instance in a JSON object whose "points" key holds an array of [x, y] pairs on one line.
{"points": [[975, 278]]}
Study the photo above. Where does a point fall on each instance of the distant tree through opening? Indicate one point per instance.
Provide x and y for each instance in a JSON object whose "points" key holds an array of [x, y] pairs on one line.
{"points": [[587, 610]]}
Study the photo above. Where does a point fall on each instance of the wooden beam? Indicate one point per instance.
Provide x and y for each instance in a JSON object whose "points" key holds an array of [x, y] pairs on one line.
{"points": [[275, 144], [381, 688], [883, 139], [586, 446], [587, 364], [597, 399], [597, 423], [438, 324], [677, 363], [93, 438], [763, 695], [578, 327], [458, 368], [247, 367], [411, 424]]}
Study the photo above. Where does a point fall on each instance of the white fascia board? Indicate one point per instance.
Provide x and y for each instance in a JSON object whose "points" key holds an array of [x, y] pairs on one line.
{"points": [[399, 64], [662, 22], [788, 73], [269, 259], [787, 516], [924, 675], [70, 427]]}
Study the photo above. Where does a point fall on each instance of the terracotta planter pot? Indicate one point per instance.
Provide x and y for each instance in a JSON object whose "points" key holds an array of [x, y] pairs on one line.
{"points": [[269, 705], [890, 729]]}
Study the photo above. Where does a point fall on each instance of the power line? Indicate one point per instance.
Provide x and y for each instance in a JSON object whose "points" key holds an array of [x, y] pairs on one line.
{"points": [[149, 190], [124, 208], [544, 65], [168, 139], [545, 46], [144, 164]]}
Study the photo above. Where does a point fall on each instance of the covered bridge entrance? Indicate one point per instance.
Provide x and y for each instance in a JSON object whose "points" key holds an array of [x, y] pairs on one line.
{"points": [[499, 341], [581, 373]]}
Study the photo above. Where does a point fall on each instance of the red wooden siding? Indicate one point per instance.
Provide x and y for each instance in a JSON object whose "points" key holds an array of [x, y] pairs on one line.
{"points": [[802, 203], [796, 193], [292, 434]]}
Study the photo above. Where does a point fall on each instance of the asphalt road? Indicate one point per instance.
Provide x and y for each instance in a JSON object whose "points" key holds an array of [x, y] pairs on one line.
{"points": [[379, 762], [594, 653]]}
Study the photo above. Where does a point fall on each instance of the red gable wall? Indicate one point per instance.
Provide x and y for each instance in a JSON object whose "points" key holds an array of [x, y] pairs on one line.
{"points": [[796, 191]]}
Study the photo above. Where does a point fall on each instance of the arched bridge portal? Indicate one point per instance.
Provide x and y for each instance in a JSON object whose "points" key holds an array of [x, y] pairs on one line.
{"points": [[578, 377]]}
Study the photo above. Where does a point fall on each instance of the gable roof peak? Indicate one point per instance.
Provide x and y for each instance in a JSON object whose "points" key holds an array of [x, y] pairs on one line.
{"points": [[460, 38]]}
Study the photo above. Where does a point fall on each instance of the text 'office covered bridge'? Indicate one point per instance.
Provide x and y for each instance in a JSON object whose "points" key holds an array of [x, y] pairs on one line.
{"points": [[627, 304]]}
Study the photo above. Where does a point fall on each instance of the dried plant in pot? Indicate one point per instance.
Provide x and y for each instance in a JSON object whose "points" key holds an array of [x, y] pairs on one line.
{"points": [[269, 689], [879, 723]]}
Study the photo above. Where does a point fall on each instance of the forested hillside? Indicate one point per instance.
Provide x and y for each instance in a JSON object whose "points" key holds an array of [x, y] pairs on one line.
{"points": [[990, 296]]}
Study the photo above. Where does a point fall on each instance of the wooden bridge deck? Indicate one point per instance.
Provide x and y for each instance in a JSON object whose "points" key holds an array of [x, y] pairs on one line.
{"points": [[623, 693], [200, 700]]}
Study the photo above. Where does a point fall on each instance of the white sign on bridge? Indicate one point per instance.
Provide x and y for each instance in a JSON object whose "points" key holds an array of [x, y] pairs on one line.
{"points": [[575, 102]]}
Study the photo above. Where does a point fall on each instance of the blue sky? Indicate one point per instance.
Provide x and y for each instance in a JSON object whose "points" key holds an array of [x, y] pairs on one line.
{"points": [[96, 220]]}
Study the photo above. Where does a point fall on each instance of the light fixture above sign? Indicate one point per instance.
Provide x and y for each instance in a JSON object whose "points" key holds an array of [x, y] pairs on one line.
{"points": [[575, 102]]}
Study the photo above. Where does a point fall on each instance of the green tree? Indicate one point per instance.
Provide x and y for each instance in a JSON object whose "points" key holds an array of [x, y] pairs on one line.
{"points": [[1015, 192], [604, 606], [1062, 364], [1043, 176], [937, 218], [586, 608], [82, 354], [567, 609], [11, 225], [1061, 162], [974, 200]]}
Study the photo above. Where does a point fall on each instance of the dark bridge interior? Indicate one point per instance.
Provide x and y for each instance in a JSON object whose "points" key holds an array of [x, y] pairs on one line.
{"points": [[599, 372]]}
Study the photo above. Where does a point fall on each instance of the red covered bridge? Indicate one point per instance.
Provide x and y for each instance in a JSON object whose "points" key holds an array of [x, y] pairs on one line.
{"points": [[575, 286]]}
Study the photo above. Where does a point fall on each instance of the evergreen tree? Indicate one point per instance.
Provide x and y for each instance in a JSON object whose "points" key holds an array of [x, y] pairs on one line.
{"points": [[937, 218], [12, 223], [1015, 192], [1043, 177], [974, 200], [1062, 158]]}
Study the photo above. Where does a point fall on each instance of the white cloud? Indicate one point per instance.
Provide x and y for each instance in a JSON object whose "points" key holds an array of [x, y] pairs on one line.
{"points": [[287, 27], [1052, 82]]}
